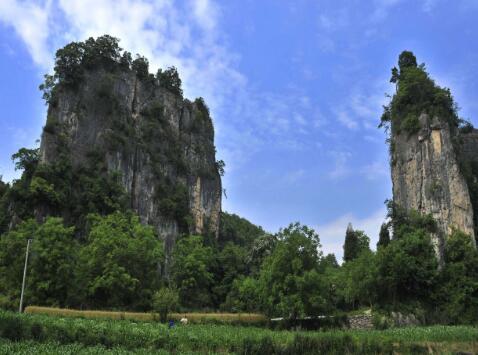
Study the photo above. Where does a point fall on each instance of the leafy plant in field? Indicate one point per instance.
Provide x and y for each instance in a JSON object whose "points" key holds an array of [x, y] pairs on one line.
{"points": [[165, 301]]}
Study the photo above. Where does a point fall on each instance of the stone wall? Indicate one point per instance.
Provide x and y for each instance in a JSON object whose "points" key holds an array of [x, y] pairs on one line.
{"points": [[363, 321]]}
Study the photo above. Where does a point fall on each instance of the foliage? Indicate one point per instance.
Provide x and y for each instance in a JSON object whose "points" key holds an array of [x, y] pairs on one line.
{"points": [[191, 271], [150, 337], [458, 281], [164, 301], [329, 261], [72, 60], [141, 66], [407, 269], [405, 222], [220, 165], [4, 214], [238, 230], [26, 160], [416, 94], [51, 263], [358, 278], [169, 79], [119, 263], [244, 295], [230, 262], [355, 243], [290, 283], [383, 236]]}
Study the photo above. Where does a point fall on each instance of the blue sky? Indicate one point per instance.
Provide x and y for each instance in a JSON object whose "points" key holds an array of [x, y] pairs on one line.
{"points": [[296, 88]]}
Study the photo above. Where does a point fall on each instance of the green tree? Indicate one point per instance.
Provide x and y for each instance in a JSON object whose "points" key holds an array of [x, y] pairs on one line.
{"points": [[26, 160], [52, 262], [358, 281], [457, 294], [170, 80], [244, 295], [230, 263], [68, 60], [4, 206], [238, 230], [416, 94], [191, 271], [351, 244], [12, 257], [407, 269], [290, 283], [103, 51], [165, 301], [119, 264], [141, 66], [383, 236], [262, 247], [355, 243], [329, 261]]}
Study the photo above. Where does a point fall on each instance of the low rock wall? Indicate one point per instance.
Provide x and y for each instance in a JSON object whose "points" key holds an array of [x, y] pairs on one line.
{"points": [[363, 321]]}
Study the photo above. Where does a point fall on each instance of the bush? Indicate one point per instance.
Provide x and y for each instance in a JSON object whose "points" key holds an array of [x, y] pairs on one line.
{"points": [[164, 301], [12, 328]]}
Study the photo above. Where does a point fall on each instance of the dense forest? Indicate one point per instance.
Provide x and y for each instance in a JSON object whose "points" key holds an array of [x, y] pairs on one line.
{"points": [[99, 255]]}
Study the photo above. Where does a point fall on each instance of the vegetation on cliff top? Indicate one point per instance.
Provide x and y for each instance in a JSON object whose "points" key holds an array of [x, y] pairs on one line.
{"points": [[416, 93]]}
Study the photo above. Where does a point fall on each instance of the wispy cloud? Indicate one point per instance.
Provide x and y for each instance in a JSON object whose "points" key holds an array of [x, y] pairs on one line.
{"points": [[376, 170], [346, 119], [340, 164], [293, 177]]}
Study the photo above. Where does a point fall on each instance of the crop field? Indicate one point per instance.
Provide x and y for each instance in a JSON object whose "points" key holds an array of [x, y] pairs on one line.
{"points": [[93, 336], [226, 318], [34, 333]]}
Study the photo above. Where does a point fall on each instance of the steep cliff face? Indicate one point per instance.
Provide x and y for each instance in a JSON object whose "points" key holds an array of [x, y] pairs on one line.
{"points": [[159, 145], [431, 156], [426, 177], [468, 156]]}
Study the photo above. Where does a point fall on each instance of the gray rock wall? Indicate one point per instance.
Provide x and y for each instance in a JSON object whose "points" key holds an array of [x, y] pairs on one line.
{"points": [[363, 321], [426, 177], [106, 105]]}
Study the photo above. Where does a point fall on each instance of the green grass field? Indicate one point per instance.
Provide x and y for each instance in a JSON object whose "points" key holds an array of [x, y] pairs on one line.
{"points": [[32, 333]]}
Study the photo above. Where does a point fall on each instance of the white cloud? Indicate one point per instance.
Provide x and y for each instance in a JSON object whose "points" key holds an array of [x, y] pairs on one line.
{"points": [[376, 170], [205, 12], [363, 107], [340, 161], [167, 33], [29, 19], [382, 9], [346, 119], [332, 234]]}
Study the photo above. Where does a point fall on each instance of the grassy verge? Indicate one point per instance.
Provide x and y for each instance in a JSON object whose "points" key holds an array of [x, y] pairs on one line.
{"points": [[29, 347], [149, 336], [226, 318]]}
